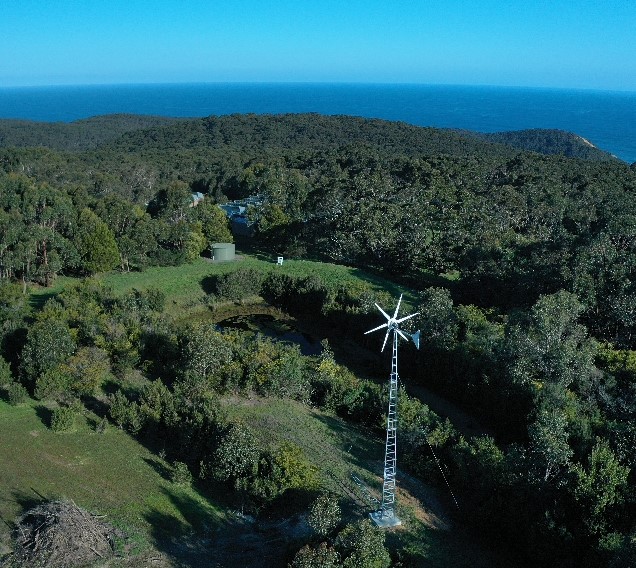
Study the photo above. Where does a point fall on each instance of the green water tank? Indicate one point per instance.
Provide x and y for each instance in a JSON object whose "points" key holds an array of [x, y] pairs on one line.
{"points": [[223, 251]]}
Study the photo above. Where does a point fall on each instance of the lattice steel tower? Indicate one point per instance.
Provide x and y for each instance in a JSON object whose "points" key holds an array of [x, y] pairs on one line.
{"points": [[385, 516]]}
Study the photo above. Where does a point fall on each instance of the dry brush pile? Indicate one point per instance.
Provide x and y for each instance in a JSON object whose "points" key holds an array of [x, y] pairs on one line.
{"points": [[59, 534]]}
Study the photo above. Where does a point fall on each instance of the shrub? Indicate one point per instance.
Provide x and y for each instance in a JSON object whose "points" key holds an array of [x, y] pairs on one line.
{"points": [[63, 419], [322, 556], [296, 471], [52, 385], [180, 474], [102, 425], [49, 343], [155, 298], [361, 545], [324, 514], [279, 370], [125, 413], [16, 393], [5, 372], [277, 288], [240, 284], [237, 454]]}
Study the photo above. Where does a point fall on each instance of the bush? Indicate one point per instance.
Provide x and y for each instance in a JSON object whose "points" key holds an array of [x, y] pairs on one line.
{"points": [[324, 514], [240, 284], [102, 425], [142, 302], [5, 372], [180, 474], [125, 413], [277, 288], [155, 298], [322, 556], [237, 454], [52, 385], [296, 472], [63, 419], [361, 545], [49, 343], [16, 393], [279, 370]]}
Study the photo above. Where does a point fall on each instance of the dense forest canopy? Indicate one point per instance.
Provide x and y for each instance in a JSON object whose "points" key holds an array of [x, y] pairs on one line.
{"points": [[514, 224], [302, 131], [75, 136], [524, 264]]}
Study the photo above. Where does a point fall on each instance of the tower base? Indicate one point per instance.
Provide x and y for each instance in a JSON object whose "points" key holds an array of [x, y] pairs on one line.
{"points": [[384, 521]]}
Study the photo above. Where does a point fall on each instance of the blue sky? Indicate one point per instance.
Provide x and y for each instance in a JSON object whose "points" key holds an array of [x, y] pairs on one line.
{"points": [[587, 44]]}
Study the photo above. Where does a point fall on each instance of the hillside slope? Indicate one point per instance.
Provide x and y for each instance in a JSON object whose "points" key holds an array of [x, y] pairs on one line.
{"points": [[309, 131], [75, 136], [551, 142]]}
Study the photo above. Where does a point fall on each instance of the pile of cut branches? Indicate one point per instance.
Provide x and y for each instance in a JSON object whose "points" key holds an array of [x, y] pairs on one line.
{"points": [[59, 534]]}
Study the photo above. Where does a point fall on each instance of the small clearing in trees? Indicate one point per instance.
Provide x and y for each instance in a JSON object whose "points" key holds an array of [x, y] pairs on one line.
{"points": [[59, 534]]}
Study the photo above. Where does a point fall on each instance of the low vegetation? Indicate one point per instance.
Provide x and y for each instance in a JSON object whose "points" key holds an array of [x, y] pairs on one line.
{"points": [[520, 265]]}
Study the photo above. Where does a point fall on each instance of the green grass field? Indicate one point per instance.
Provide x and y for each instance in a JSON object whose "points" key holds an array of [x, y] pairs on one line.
{"points": [[110, 473], [184, 285], [336, 448], [113, 474]]}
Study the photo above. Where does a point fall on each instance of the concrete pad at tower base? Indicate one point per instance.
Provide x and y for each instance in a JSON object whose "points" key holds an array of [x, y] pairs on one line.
{"points": [[384, 522]]}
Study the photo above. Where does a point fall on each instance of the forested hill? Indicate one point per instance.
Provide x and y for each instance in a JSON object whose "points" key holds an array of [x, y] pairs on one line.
{"points": [[75, 136], [522, 268], [306, 132], [285, 132], [551, 142]]}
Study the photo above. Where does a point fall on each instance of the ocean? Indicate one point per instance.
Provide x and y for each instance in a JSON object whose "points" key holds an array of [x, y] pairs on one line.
{"points": [[605, 118]]}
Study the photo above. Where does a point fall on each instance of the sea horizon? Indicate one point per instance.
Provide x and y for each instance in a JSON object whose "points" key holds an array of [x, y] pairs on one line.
{"points": [[607, 118], [331, 83]]}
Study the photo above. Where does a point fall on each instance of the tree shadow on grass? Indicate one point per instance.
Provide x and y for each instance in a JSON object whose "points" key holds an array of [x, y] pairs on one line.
{"points": [[37, 301], [251, 247], [423, 546], [99, 407], [29, 500], [186, 538], [26, 501], [44, 413], [201, 536], [197, 517], [209, 284], [159, 467], [361, 447]]}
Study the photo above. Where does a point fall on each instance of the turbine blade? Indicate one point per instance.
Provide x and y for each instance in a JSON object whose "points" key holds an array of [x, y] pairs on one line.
{"points": [[397, 308], [383, 312], [384, 344], [407, 317], [401, 334], [376, 328]]}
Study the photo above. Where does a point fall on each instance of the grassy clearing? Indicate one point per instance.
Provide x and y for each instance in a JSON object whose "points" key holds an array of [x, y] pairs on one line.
{"points": [[186, 286], [338, 449], [186, 282], [113, 474], [108, 473], [38, 295]]}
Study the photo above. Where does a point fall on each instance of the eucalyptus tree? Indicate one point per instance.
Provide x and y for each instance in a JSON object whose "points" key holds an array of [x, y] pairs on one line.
{"points": [[49, 216], [95, 243]]}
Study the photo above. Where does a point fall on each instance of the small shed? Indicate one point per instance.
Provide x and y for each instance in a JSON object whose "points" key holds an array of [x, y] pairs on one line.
{"points": [[223, 251]]}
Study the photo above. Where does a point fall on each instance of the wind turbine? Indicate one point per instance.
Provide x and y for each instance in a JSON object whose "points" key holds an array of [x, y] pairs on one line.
{"points": [[385, 516]]}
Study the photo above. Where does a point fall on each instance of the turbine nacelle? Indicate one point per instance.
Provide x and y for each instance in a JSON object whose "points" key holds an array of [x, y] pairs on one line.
{"points": [[393, 325]]}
